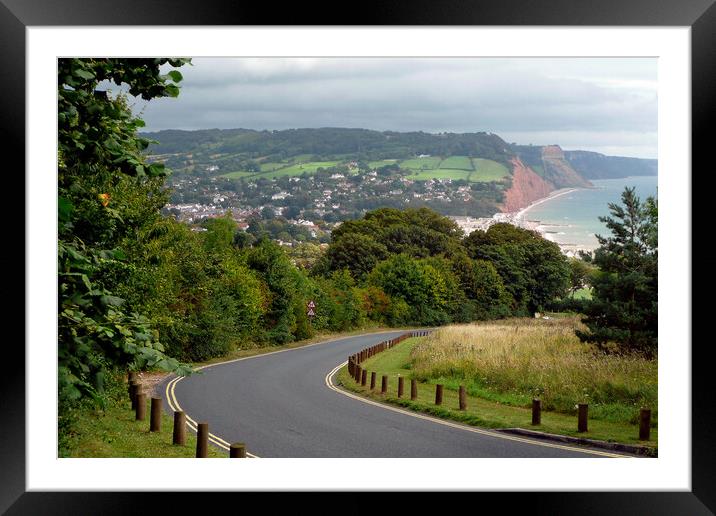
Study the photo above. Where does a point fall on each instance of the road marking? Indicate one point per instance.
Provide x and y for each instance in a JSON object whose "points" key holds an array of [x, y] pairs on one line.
{"points": [[332, 386], [174, 403]]}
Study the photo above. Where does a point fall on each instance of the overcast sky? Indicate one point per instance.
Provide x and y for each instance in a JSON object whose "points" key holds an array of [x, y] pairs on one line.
{"points": [[605, 105]]}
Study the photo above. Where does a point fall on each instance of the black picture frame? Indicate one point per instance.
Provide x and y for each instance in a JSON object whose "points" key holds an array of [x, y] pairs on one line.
{"points": [[699, 15]]}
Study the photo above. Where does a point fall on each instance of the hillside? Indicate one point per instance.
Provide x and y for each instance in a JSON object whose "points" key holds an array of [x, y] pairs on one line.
{"points": [[480, 173], [592, 165]]}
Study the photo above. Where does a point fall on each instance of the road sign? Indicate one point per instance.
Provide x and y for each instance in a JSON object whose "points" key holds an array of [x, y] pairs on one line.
{"points": [[311, 313], [311, 304]]}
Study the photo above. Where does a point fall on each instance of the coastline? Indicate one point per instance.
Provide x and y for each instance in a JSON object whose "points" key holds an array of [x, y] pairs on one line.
{"points": [[556, 193], [519, 219]]}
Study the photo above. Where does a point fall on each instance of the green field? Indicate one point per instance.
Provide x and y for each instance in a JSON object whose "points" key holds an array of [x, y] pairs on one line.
{"points": [[298, 169], [487, 170], [483, 408], [271, 166], [382, 163], [430, 163], [424, 175], [457, 163]]}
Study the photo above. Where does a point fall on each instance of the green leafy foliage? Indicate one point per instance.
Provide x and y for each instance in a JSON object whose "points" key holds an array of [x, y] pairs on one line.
{"points": [[100, 174]]}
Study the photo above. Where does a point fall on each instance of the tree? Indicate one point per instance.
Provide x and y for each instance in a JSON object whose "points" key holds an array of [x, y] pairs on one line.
{"points": [[101, 169], [623, 310]]}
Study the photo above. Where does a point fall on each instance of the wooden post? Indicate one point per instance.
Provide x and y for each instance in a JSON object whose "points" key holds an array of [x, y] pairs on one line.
{"points": [[413, 389], [237, 451], [131, 377], [179, 435], [155, 421], [644, 424], [133, 389], [438, 394], [141, 409], [463, 399], [372, 381], [363, 377], [583, 410], [202, 440], [536, 412], [400, 386], [384, 385]]}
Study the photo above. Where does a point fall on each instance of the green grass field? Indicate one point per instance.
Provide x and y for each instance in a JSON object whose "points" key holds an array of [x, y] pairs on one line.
{"points": [[382, 163], [487, 170], [491, 407], [271, 166], [457, 163], [424, 175], [429, 163], [298, 169]]}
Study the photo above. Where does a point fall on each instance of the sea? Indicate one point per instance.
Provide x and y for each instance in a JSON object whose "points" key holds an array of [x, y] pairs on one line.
{"points": [[572, 219]]}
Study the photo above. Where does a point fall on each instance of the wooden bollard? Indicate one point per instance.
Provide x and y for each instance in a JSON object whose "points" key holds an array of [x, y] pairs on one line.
{"points": [[462, 398], [141, 410], [400, 386], [202, 440], [384, 385], [413, 389], [131, 377], [372, 381], [583, 410], [237, 451], [536, 412], [438, 394], [179, 434], [155, 418], [363, 377], [644, 424], [359, 370], [133, 390]]}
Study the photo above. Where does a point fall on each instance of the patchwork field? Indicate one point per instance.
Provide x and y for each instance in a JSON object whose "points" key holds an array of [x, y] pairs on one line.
{"points": [[299, 168], [442, 173], [428, 163], [457, 163], [487, 170]]}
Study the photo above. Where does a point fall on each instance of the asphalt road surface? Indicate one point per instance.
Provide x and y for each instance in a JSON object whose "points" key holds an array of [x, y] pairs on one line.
{"points": [[281, 406]]}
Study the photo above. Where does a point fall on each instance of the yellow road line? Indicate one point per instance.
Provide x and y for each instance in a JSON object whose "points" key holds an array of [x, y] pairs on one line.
{"points": [[174, 404], [332, 386]]}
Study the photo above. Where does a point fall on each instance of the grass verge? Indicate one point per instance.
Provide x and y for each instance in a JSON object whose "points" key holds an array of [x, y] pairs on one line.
{"points": [[480, 412], [113, 432]]}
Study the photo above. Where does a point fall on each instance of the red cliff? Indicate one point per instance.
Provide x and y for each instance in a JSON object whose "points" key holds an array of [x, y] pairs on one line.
{"points": [[527, 187]]}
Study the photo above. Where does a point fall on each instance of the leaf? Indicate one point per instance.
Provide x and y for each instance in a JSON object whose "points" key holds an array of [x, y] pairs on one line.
{"points": [[111, 300], [172, 90], [84, 74], [175, 75], [64, 209]]}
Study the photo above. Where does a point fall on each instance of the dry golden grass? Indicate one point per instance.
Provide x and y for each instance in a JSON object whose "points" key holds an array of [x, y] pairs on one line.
{"points": [[515, 360]]}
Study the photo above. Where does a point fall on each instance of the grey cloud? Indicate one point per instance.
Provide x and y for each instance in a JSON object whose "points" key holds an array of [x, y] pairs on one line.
{"points": [[602, 100]]}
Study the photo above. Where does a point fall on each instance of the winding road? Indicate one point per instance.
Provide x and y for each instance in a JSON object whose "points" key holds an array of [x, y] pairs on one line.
{"points": [[285, 404]]}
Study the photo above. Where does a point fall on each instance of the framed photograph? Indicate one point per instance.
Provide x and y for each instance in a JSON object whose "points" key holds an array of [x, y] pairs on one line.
{"points": [[672, 41]]}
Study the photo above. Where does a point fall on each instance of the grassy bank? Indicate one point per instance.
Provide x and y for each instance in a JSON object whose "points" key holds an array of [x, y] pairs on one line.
{"points": [[114, 432], [504, 365]]}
